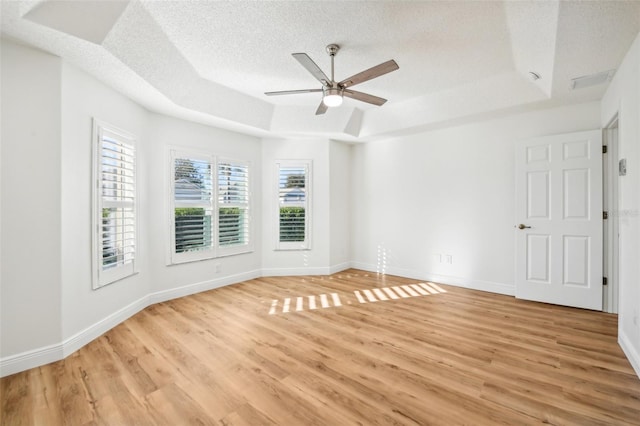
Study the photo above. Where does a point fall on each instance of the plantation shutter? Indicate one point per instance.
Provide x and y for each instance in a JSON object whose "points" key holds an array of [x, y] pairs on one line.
{"points": [[115, 204], [293, 196], [193, 206], [233, 204], [118, 203]]}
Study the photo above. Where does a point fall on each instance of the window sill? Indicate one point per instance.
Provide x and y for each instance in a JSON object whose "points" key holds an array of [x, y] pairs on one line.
{"points": [[292, 249], [99, 285], [173, 262]]}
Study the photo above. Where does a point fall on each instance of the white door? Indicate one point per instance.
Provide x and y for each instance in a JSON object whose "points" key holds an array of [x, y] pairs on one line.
{"points": [[559, 219]]}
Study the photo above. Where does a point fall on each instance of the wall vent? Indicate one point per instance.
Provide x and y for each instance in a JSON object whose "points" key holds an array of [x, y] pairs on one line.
{"points": [[592, 80]]}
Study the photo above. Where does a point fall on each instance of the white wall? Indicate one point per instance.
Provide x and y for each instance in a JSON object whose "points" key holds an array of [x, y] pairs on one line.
{"points": [[48, 306], [30, 310], [166, 133], [449, 192], [85, 311], [330, 205], [623, 98], [296, 262], [340, 205], [84, 98]]}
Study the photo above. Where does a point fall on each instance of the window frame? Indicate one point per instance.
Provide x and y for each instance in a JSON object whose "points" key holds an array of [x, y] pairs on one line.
{"points": [[104, 276], [307, 204], [216, 250]]}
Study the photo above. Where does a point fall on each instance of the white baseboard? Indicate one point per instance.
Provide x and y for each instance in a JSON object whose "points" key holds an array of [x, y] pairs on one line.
{"points": [[629, 351], [339, 267], [30, 359], [317, 270], [174, 293], [97, 329], [41, 356], [489, 286], [281, 272]]}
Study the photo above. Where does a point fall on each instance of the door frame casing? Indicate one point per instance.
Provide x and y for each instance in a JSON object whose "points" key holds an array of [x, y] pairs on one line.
{"points": [[611, 204]]}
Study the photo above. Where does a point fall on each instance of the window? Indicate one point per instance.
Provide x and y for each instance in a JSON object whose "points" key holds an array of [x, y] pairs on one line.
{"points": [[233, 206], [210, 207], [115, 204], [294, 214], [193, 199]]}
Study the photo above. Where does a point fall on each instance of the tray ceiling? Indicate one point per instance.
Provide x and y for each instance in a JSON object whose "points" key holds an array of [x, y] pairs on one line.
{"points": [[211, 61]]}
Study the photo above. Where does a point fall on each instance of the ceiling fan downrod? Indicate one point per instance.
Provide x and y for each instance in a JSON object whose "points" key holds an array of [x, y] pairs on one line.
{"points": [[332, 50]]}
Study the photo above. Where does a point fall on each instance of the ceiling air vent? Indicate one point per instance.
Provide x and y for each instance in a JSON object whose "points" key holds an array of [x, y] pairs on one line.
{"points": [[592, 80]]}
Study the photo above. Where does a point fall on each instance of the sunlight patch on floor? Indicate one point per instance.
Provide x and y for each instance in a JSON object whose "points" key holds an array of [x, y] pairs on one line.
{"points": [[332, 300]]}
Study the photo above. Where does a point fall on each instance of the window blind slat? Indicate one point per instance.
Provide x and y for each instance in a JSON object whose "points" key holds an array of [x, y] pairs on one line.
{"points": [[116, 143], [122, 161]]}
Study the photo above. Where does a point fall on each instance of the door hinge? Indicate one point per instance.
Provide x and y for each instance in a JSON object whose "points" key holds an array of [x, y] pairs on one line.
{"points": [[604, 149], [605, 215], [604, 280]]}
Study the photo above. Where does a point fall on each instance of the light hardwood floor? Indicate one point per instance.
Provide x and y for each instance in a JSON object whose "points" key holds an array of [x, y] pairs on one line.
{"points": [[453, 357]]}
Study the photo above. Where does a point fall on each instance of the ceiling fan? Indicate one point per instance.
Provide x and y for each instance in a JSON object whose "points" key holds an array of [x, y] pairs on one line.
{"points": [[332, 91]]}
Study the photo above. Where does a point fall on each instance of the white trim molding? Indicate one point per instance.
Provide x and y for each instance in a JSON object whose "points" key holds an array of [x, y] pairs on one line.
{"points": [[189, 289], [31, 359], [489, 286], [52, 353], [317, 270], [283, 272], [41, 356], [334, 269], [81, 338], [632, 355]]}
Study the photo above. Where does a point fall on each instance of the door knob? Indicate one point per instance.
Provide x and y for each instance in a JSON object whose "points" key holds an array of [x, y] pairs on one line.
{"points": [[523, 226]]}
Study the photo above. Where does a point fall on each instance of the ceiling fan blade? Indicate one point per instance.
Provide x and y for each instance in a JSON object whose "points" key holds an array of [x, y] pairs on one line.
{"points": [[369, 74], [364, 97], [292, 92], [311, 66], [322, 108]]}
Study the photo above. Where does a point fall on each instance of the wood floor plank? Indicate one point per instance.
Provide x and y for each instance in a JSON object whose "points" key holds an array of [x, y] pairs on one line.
{"points": [[446, 356], [247, 415]]}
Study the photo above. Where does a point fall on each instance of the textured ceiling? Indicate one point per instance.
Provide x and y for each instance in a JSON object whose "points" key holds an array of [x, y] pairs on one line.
{"points": [[212, 61], [248, 46]]}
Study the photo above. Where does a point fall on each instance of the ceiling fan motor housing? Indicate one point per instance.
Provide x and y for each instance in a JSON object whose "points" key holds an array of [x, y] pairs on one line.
{"points": [[332, 96]]}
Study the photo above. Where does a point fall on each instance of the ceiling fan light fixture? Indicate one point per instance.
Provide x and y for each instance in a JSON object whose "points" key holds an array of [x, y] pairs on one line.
{"points": [[332, 97]]}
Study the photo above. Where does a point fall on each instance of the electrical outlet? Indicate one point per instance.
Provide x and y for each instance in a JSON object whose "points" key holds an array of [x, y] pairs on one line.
{"points": [[448, 259]]}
